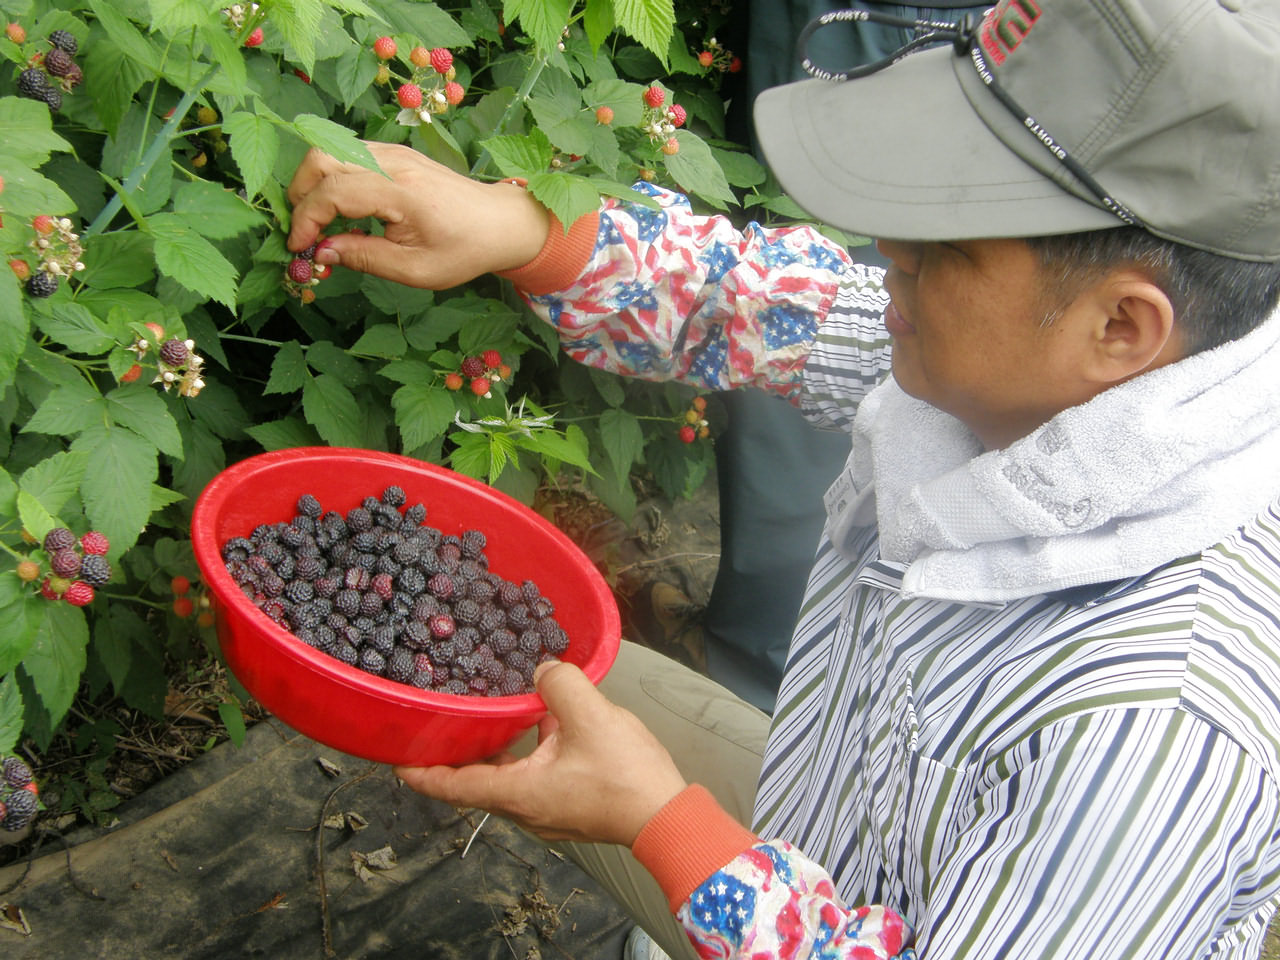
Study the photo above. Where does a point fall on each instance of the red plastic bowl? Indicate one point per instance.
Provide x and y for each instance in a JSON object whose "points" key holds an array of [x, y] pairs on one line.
{"points": [[342, 706]]}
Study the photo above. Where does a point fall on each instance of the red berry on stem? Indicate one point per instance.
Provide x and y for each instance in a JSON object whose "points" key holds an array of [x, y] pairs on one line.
{"points": [[453, 381], [179, 585], [420, 56], [654, 97], [504, 371], [302, 74], [156, 330], [384, 48], [320, 270], [441, 60], [472, 367], [42, 224], [678, 115], [94, 542], [491, 358], [688, 434], [706, 57], [604, 115], [299, 270], [480, 386], [46, 590], [28, 570], [132, 374], [254, 39], [16, 33], [735, 64], [79, 594], [20, 268], [671, 147], [183, 607], [453, 93], [699, 404], [410, 96]]}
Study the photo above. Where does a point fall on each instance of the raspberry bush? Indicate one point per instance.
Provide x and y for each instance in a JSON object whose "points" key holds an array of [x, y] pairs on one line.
{"points": [[156, 329]]}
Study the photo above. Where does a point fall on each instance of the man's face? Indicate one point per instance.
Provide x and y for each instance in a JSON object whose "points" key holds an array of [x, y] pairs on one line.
{"points": [[969, 338]]}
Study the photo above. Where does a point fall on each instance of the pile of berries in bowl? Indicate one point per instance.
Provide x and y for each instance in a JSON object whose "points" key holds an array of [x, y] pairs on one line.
{"points": [[390, 608]]}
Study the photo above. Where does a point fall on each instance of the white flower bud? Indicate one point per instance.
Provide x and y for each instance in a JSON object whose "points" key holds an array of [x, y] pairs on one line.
{"points": [[668, 128], [79, 265], [189, 344], [169, 376]]}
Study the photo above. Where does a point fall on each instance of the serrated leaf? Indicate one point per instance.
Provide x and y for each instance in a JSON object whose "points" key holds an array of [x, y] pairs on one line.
{"points": [[36, 520], [191, 260], [141, 408], [611, 189], [226, 54], [325, 357], [597, 20], [397, 299], [556, 105], [204, 455], [18, 613], [520, 156], [284, 434], [73, 326], [550, 443], [10, 713], [381, 340], [335, 140], [471, 455], [13, 332], [117, 491], [740, 169], [407, 371], [175, 17], [332, 410], [622, 439], [542, 20], [56, 658], [27, 132], [288, 369], [124, 259], [220, 410], [69, 408], [567, 195], [298, 22], [621, 96], [255, 144], [114, 638], [423, 412], [425, 20], [125, 37], [28, 193], [54, 480], [696, 170], [355, 71], [214, 211], [650, 22]]}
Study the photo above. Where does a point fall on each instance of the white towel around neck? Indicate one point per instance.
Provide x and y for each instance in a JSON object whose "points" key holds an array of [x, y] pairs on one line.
{"points": [[1157, 468]]}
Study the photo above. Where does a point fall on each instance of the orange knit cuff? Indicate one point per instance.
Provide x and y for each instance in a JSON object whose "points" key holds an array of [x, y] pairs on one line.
{"points": [[687, 841], [562, 258]]}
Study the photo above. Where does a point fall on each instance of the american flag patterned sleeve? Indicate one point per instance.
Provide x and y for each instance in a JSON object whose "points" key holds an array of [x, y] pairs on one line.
{"points": [[772, 903], [668, 295]]}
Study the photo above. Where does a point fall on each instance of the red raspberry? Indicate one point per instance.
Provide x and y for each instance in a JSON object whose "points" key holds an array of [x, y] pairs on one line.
{"points": [[20, 268], [735, 64], [441, 626], [299, 270], [655, 96], [492, 359], [156, 329], [420, 56], [604, 115], [706, 57], [47, 591], [254, 39], [94, 542], [699, 404], [678, 116], [453, 381], [307, 296], [453, 93], [302, 75], [43, 224], [472, 367], [183, 607], [384, 48], [410, 96], [179, 585], [132, 374], [671, 147], [688, 434], [79, 594], [504, 371], [205, 619], [65, 563], [480, 386], [59, 538], [703, 432], [320, 270], [28, 570], [16, 33], [441, 60]]}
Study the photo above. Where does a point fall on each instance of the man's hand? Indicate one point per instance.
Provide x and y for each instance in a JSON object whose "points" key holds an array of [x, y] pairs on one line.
{"points": [[598, 775], [441, 228]]}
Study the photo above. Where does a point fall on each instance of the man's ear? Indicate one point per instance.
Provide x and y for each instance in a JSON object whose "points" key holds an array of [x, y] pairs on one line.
{"points": [[1131, 327]]}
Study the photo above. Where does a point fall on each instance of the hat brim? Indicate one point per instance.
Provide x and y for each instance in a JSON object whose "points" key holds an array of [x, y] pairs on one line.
{"points": [[902, 154]]}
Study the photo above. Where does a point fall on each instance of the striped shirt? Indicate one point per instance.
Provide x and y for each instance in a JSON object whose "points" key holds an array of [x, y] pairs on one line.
{"points": [[1091, 773]]}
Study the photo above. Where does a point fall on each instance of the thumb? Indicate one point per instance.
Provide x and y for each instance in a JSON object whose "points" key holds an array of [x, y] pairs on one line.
{"points": [[568, 693], [366, 253]]}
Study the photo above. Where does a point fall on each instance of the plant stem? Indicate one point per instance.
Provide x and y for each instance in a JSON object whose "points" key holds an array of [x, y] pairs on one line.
{"points": [[244, 339], [530, 78], [158, 146]]}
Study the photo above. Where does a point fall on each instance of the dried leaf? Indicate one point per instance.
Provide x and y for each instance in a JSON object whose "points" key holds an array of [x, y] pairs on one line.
{"points": [[329, 767], [355, 821], [384, 858], [181, 707], [168, 858], [12, 918], [335, 821]]}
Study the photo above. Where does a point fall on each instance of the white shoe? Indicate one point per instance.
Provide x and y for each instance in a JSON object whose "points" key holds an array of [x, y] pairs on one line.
{"points": [[640, 946]]}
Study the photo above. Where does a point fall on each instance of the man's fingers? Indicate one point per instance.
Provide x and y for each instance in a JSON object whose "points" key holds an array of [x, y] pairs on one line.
{"points": [[568, 693], [475, 785]]}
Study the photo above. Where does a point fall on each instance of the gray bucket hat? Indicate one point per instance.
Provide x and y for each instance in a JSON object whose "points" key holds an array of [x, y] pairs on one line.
{"points": [[1168, 111]]}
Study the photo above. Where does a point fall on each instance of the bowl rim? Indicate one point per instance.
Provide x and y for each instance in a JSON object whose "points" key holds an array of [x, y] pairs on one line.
{"points": [[227, 592]]}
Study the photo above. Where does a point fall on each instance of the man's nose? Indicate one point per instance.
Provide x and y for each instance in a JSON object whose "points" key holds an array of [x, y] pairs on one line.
{"points": [[904, 254]]}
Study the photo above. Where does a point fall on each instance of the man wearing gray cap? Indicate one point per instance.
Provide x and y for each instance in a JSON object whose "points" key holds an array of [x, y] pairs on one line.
{"points": [[1030, 709]]}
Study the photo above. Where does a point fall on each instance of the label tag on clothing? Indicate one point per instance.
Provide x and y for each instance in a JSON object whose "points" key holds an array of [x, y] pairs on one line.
{"points": [[839, 495]]}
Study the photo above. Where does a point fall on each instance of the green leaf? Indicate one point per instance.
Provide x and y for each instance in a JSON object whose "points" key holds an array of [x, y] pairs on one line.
{"points": [[141, 408], [325, 357], [549, 443], [114, 638], [69, 408], [397, 299], [622, 439], [27, 133], [407, 371], [696, 170], [57, 658], [425, 20], [8, 495], [117, 491], [423, 411], [214, 211], [556, 105], [13, 332], [254, 146], [220, 410], [10, 713], [288, 369], [176, 17], [19, 612], [284, 434], [335, 140], [120, 160], [298, 22], [567, 195], [740, 169], [471, 455], [35, 519], [620, 96], [125, 37], [232, 718], [597, 20], [651, 22], [226, 54], [204, 455], [54, 480], [333, 411], [542, 20], [124, 259], [381, 340], [520, 156], [630, 195], [355, 73], [73, 326], [28, 193], [191, 260]]}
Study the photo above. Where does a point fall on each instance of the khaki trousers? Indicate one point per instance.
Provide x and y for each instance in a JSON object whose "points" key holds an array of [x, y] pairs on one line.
{"points": [[716, 739]]}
